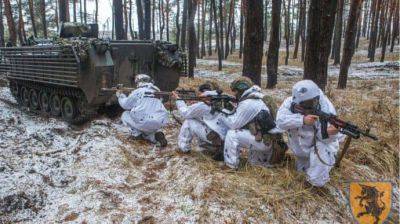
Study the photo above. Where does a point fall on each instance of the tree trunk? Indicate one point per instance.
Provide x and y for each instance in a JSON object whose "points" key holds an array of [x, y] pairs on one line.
{"points": [[349, 42], [210, 20], [233, 33], [130, 20], [229, 30], [337, 36], [217, 39], [253, 41], [192, 36], [81, 12], [21, 25], [10, 23], [118, 19], [178, 29], [96, 12], [167, 18], [287, 31], [198, 29], [396, 24], [374, 30], [359, 28], [32, 15], [147, 19], [265, 30], [184, 21], [387, 33], [56, 15], [153, 19], [139, 12], [161, 17], [203, 28], [273, 48], [221, 27], [303, 31], [241, 29], [382, 22], [321, 19], [62, 13], [43, 17], [2, 41], [298, 31], [365, 18], [84, 11], [126, 19]]}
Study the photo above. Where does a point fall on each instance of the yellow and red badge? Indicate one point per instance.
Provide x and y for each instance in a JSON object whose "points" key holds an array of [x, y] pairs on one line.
{"points": [[370, 202]]}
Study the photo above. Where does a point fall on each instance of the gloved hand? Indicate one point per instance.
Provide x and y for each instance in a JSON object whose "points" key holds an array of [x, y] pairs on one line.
{"points": [[118, 93]]}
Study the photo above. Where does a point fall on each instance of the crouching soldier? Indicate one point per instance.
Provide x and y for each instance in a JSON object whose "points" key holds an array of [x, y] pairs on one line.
{"points": [[315, 152], [144, 115], [250, 108], [200, 122]]}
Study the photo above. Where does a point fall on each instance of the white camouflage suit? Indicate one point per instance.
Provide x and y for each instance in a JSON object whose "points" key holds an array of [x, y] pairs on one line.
{"points": [[301, 137], [199, 122], [237, 138], [143, 115]]}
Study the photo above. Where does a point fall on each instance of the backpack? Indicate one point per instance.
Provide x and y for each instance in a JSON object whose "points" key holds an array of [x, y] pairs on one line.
{"points": [[276, 141]]}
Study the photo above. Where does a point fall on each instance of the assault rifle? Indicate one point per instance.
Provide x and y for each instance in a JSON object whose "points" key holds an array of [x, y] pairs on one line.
{"points": [[162, 94], [346, 128], [119, 87], [217, 102]]}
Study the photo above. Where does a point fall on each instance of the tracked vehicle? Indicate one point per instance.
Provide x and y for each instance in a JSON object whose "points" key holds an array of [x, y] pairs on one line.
{"points": [[65, 77]]}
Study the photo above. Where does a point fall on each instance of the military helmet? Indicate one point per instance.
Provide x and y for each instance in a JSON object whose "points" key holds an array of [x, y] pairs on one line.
{"points": [[143, 78], [208, 86], [305, 90], [241, 84]]}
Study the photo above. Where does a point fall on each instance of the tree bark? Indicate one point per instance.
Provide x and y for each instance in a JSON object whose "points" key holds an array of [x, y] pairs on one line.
{"points": [[139, 12], [349, 42], [192, 5], [337, 36], [253, 41], [359, 28], [374, 30], [2, 41], [178, 28], [210, 21], [221, 27], [387, 33], [273, 48], [10, 23], [96, 13], [62, 13], [203, 28], [32, 15], [43, 17], [303, 30], [118, 20], [153, 19], [321, 19], [241, 29], [84, 11], [287, 31], [147, 19], [365, 18], [21, 25], [298, 31], [198, 29], [396, 24], [229, 30], [167, 9], [161, 17], [80, 11], [217, 39], [126, 19], [130, 20], [184, 25]]}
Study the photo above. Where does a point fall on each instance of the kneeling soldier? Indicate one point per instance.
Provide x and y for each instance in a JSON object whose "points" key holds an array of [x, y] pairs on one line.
{"points": [[145, 116], [251, 108], [315, 152], [199, 122]]}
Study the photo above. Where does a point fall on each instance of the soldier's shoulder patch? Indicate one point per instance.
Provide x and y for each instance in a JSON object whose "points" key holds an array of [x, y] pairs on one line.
{"points": [[370, 202]]}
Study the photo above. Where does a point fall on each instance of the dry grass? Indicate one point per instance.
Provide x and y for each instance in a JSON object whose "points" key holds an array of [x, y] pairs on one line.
{"points": [[369, 104]]}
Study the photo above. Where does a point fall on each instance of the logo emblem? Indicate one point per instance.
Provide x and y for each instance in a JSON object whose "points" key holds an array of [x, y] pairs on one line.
{"points": [[370, 202]]}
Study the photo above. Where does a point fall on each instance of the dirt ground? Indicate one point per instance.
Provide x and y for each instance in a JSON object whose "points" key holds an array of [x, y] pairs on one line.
{"points": [[52, 172]]}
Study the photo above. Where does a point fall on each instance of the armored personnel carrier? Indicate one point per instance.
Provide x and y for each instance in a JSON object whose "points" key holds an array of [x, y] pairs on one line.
{"points": [[65, 77]]}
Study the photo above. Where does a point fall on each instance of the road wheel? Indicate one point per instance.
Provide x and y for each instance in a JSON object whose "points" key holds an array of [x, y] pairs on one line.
{"points": [[44, 99], [14, 89], [25, 97], [55, 105], [68, 108], [34, 99]]}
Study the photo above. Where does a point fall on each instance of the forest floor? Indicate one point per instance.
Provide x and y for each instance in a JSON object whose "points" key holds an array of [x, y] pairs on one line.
{"points": [[53, 172]]}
